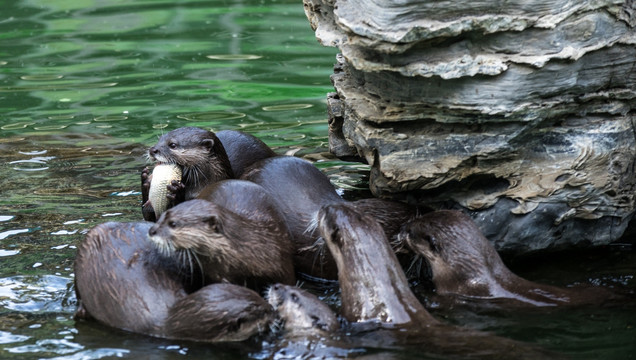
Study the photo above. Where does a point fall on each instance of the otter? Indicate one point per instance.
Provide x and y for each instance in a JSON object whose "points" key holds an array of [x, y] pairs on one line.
{"points": [[300, 190], [296, 185], [465, 265], [204, 158], [372, 283], [121, 281], [219, 312], [233, 232], [243, 150], [375, 291], [301, 312]]}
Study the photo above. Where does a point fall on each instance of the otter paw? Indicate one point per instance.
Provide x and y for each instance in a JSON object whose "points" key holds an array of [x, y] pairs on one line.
{"points": [[148, 211], [176, 193], [146, 178]]}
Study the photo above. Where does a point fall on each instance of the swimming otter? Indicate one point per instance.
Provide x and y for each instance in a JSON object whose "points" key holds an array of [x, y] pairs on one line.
{"points": [[302, 313], [465, 264], [204, 158], [374, 290], [121, 281], [240, 237], [219, 312], [372, 283]]}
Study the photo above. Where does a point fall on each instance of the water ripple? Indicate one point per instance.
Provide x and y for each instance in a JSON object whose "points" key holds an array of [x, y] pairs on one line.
{"points": [[94, 354], [8, 252], [56, 346], [6, 234], [287, 107], [234, 57], [212, 115], [46, 293], [8, 338]]}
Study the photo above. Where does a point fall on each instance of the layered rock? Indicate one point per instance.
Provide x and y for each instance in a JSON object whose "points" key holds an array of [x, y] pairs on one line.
{"points": [[522, 113]]}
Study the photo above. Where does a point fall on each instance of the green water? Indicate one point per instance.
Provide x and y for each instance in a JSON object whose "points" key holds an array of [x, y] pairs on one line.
{"points": [[86, 86]]}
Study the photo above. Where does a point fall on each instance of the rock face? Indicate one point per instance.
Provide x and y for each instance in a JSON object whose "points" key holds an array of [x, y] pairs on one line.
{"points": [[520, 112]]}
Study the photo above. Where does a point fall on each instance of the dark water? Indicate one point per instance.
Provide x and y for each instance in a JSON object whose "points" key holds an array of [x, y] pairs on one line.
{"points": [[86, 86]]}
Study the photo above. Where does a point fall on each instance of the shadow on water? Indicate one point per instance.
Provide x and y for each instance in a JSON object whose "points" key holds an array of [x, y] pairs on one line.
{"points": [[86, 87]]}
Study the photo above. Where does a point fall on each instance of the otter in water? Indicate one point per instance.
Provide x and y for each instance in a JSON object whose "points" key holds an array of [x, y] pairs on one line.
{"points": [[301, 189], [464, 264], [301, 312], [204, 158], [201, 157], [374, 290], [372, 283], [237, 236], [298, 187], [121, 281], [243, 150]]}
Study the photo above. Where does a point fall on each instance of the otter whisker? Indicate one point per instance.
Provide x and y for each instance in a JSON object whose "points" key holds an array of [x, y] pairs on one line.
{"points": [[313, 224], [165, 248], [276, 326], [196, 258], [148, 158], [415, 266], [188, 255], [316, 246], [397, 244], [266, 293], [180, 260], [318, 255]]}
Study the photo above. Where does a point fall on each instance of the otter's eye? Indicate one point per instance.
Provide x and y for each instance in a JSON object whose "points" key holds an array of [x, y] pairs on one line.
{"points": [[315, 321], [172, 145], [172, 224], [336, 238], [432, 242], [294, 297], [214, 224]]}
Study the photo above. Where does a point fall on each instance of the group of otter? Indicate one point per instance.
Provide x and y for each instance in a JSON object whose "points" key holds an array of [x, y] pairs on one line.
{"points": [[232, 219]]}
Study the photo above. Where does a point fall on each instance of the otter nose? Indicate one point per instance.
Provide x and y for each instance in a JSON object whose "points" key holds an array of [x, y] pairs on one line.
{"points": [[153, 151], [153, 230]]}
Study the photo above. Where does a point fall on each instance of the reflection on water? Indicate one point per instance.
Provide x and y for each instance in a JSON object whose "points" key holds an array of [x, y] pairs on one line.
{"points": [[87, 86]]}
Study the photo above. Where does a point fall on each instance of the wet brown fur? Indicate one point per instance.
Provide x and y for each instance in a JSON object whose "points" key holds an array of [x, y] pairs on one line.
{"points": [[374, 289], [240, 238], [464, 263], [122, 282], [301, 311]]}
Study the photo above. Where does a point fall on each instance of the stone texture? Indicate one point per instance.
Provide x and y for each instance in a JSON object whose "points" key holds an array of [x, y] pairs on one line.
{"points": [[520, 112]]}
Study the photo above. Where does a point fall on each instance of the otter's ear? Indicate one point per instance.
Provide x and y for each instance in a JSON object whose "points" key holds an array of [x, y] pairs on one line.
{"points": [[215, 224], [208, 144]]}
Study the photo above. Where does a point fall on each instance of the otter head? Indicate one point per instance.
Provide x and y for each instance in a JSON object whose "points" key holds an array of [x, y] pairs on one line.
{"points": [[335, 225], [194, 232], [188, 226], [222, 244], [301, 311], [461, 259], [198, 152]]}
